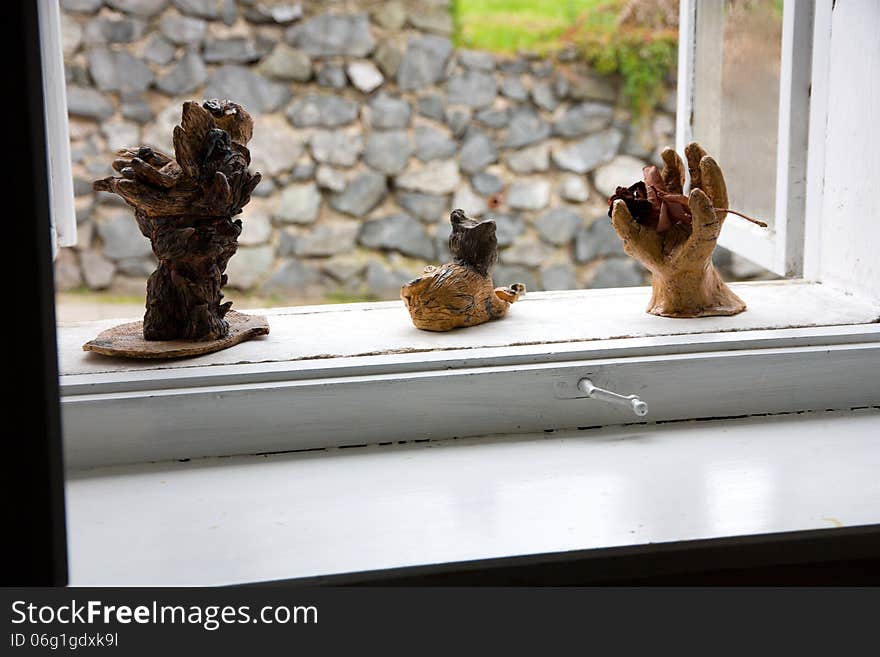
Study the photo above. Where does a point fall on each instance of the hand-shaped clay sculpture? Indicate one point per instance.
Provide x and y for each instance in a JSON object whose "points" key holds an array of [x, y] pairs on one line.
{"points": [[674, 236], [461, 293]]}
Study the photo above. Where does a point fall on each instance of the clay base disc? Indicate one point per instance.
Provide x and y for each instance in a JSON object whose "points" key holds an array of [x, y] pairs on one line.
{"points": [[127, 340]]}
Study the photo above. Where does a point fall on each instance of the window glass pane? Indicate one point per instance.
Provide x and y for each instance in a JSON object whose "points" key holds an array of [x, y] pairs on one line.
{"points": [[736, 96]]}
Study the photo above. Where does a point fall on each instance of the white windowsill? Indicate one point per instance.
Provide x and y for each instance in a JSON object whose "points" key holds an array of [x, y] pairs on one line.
{"points": [[247, 519], [360, 374], [312, 335], [344, 375]]}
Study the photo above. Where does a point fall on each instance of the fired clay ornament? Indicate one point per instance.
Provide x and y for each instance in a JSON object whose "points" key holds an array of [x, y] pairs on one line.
{"points": [[461, 293], [184, 205], [674, 235]]}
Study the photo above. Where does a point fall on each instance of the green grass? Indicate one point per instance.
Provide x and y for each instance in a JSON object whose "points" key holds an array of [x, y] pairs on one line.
{"points": [[349, 297], [87, 295], [83, 295], [643, 55], [505, 26]]}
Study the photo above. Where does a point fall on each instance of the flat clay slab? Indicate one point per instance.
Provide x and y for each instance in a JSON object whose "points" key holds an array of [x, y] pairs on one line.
{"points": [[127, 340]]}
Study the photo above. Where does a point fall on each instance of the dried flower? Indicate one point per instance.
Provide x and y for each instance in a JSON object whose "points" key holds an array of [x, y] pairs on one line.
{"points": [[650, 204], [636, 198]]}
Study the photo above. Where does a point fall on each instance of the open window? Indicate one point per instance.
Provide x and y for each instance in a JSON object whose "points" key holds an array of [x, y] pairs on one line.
{"points": [[745, 75], [361, 374]]}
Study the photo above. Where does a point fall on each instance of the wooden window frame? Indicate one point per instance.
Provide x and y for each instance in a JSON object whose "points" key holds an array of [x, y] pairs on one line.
{"points": [[388, 382], [62, 214], [802, 85], [399, 393], [830, 362]]}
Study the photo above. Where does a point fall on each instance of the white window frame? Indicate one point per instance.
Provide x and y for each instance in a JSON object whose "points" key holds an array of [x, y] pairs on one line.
{"points": [[805, 31], [160, 523], [272, 397], [683, 371], [62, 210]]}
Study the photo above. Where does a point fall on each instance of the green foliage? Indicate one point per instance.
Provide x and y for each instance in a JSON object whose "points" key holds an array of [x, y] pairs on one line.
{"points": [[87, 295], [349, 297], [643, 64], [507, 26], [642, 55]]}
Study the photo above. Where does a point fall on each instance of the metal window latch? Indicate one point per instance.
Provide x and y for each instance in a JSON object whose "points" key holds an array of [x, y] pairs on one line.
{"points": [[638, 407]]}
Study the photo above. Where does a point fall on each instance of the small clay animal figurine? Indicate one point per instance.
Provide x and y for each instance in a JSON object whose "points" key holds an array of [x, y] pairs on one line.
{"points": [[674, 235], [461, 293]]}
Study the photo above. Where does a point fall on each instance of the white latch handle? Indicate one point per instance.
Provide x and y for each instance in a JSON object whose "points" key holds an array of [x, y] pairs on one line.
{"points": [[638, 407]]}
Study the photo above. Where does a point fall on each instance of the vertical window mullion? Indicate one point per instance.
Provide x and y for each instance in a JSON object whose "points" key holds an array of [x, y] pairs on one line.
{"points": [[61, 200], [815, 177], [685, 92], [794, 117]]}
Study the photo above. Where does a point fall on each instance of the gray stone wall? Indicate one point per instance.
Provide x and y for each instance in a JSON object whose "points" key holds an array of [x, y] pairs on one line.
{"points": [[369, 128]]}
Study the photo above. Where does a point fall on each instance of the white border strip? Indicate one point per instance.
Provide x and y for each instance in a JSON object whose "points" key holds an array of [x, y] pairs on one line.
{"points": [[61, 199]]}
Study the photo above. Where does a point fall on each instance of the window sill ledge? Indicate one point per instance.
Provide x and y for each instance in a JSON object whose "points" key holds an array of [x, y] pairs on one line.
{"points": [[306, 337], [283, 517], [361, 374]]}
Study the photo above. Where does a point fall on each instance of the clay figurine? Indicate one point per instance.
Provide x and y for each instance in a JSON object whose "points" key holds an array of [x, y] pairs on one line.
{"points": [[461, 293], [185, 205], [674, 235]]}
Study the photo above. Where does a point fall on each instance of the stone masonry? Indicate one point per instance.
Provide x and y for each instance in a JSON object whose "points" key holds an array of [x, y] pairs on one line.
{"points": [[369, 128]]}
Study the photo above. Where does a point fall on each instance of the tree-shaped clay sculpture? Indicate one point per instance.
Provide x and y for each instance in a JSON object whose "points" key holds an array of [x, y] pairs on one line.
{"points": [[674, 235], [461, 293], [185, 206]]}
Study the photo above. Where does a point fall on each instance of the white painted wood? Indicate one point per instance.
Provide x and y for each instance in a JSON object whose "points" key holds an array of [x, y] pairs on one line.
{"points": [[332, 331], [794, 113], [60, 173], [816, 141], [850, 233], [684, 111], [300, 370], [158, 425], [254, 519], [315, 387]]}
